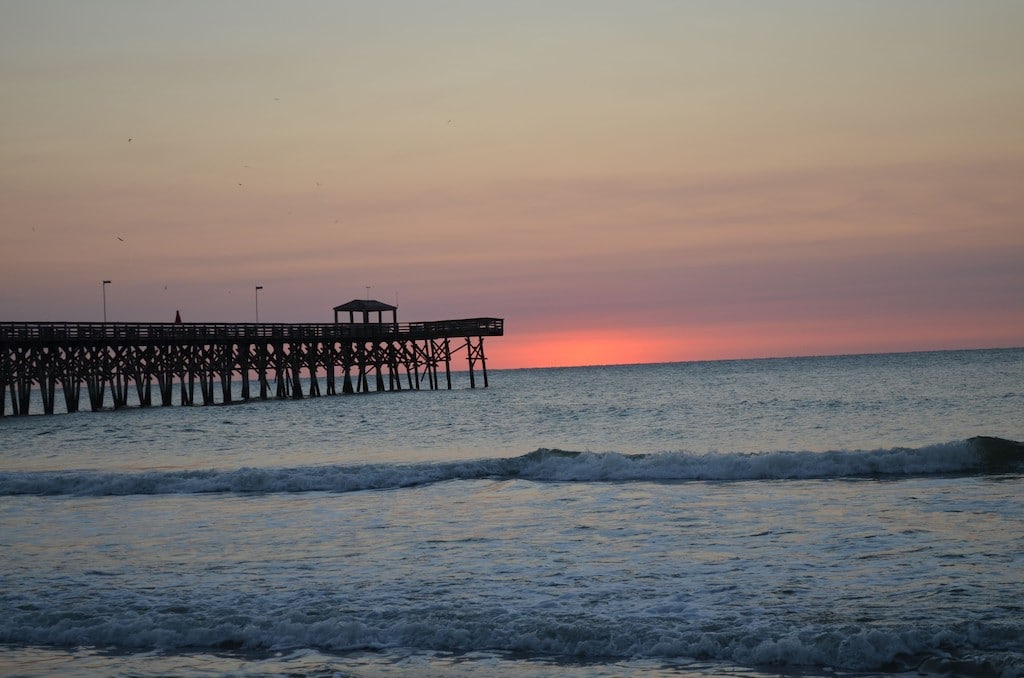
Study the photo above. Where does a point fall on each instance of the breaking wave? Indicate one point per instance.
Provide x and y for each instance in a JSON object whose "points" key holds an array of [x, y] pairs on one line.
{"points": [[975, 455], [943, 649]]}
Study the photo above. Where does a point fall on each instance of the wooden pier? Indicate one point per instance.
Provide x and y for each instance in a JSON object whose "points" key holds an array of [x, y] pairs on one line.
{"points": [[264, 360]]}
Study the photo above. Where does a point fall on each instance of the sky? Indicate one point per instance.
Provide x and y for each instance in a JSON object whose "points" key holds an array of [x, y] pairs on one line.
{"points": [[622, 182]]}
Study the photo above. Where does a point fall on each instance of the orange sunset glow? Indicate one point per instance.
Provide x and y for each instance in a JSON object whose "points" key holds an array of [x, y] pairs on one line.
{"points": [[621, 182]]}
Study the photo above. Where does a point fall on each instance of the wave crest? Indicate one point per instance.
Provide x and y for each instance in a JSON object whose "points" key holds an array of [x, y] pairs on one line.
{"points": [[976, 455]]}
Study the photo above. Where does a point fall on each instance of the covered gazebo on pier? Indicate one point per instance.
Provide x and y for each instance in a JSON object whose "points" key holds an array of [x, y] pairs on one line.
{"points": [[364, 308]]}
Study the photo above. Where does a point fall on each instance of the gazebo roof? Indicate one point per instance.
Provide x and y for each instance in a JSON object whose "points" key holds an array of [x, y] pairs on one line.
{"points": [[365, 305]]}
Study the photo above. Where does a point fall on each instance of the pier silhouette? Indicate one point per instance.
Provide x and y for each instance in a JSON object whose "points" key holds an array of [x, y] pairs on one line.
{"points": [[267, 360]]}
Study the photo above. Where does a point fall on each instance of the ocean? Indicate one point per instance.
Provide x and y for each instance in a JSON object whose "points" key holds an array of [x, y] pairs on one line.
{"points": [[822, 516]]}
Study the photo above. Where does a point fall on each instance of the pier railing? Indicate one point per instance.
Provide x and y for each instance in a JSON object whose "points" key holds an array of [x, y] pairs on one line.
{"points": [[18, 332]]}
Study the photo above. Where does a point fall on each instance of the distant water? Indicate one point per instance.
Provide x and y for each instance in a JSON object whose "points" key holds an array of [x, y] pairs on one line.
{"points": [[813, 516]]}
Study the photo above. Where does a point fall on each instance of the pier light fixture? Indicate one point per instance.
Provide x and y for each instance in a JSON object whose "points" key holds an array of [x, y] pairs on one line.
{"points": [[258, 288], [104, 286]]}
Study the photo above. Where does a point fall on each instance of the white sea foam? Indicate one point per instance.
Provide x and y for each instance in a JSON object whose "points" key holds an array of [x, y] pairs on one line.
{"points": [[541, 465], [579, 635]]}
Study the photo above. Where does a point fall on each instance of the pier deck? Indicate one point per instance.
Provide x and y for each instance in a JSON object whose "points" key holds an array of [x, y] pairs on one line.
{"points": [[121, 356]]}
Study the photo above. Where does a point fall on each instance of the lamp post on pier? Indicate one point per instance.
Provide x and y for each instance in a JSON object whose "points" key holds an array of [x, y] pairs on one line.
{"points": [[258, 288], [105, 283]]}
